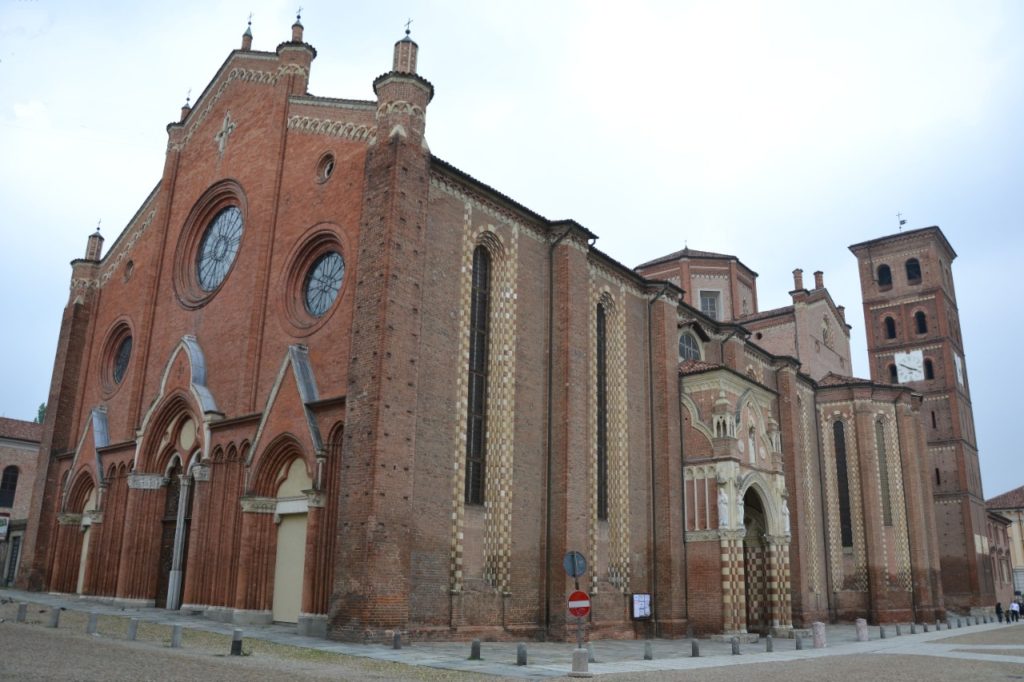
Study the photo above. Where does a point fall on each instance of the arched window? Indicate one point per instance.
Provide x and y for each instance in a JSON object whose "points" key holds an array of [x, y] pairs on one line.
{"points": [[929, 369], [884, 277], [8, 486], [476, 412], [893, 377], [935, 424], [921, 322], [913, 271], [883, 472], [843, 483], [602, 414], [689, 348], [890, 328]]}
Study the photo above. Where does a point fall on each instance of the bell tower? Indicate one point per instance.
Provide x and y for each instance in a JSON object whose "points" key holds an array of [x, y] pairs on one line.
{"points": [[913, 333]]}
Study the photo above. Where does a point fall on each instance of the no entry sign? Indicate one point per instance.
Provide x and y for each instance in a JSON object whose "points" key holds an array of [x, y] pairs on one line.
{"points": [[579, 603]]}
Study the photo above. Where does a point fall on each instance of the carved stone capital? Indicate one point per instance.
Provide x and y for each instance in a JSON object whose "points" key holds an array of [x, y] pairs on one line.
{"points": [[146, 481], [69, 519], [258, 505], [316, 498], [201, 473]]}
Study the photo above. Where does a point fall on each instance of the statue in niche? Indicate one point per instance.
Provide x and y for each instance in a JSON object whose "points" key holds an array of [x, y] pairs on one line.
{"points": [[739, 512], [723, 509], [785, 516]]}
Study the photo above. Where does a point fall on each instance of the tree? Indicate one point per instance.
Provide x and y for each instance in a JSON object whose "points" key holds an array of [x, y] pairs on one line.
{"points": [[41, 416]]}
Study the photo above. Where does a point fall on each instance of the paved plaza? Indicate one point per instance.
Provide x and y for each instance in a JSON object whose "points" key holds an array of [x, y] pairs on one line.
{"points": [[983, 651]]}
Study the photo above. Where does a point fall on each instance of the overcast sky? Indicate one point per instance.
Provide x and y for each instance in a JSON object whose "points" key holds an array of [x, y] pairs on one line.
{"points": [[779, 132]]}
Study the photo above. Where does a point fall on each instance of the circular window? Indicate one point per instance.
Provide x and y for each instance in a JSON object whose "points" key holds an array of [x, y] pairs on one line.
{"points": [[219, 247], [325, 167], [313, 279], [209, 244], [116, 358], [323, 282]]}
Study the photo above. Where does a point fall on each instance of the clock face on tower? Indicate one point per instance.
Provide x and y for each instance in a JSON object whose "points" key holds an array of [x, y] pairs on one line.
{"points": [[909, 366]]}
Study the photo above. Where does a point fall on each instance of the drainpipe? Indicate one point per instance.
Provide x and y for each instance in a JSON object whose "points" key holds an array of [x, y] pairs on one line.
{"points": [[550, 436], [650, 409]]}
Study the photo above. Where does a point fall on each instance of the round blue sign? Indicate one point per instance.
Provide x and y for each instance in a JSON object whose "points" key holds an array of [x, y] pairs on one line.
{"points": [[574, 563]]}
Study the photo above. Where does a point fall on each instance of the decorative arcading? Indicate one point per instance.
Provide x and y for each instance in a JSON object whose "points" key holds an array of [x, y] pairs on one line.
{"points": [[500, 432], [617, 383], [400, 107], [242, 75], [343, 129]]}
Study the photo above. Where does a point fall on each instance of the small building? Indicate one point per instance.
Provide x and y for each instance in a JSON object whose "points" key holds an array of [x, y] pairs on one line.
{"points": [[19, 451]]}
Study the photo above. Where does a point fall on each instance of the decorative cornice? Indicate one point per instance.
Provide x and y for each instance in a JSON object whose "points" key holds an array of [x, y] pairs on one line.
{"points": [[343, 129], [902, 302], [400, 107], [245, 76]]}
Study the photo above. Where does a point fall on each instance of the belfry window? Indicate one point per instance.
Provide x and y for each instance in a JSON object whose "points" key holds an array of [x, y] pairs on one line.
{"points": [[921, 322], [929, 369], [890, 328], [602, 414], [843, 483], [884, 277], [476, 411], [913, 271], [893, 376]]}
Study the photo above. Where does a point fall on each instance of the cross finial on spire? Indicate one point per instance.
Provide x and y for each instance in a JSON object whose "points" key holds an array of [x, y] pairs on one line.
{"points": [[188, 98], [407, 23], [98, 221], [901, 219], [250, 19], [298, 14]]}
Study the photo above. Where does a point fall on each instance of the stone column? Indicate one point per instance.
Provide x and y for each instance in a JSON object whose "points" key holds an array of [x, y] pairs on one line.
{"points": [[316, 579], [180, 536], [196, 591]]}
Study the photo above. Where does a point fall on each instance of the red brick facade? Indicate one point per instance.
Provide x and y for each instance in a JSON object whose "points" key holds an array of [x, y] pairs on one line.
{"points": [[245, 419]]}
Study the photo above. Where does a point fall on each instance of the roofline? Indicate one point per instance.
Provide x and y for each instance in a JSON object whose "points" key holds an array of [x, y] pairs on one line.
{"points": [[677, 255], [901, 235]]}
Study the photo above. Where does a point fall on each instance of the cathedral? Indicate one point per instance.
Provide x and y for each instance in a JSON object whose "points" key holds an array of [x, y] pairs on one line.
{"points": [[324, 377]]}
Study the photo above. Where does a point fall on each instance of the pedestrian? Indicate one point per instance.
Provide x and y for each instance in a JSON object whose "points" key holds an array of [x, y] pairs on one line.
{"points": [[999, 611], [1014, 610]]}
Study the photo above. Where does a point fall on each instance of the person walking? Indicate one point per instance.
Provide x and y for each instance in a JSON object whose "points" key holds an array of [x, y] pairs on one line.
{"points": [[1014, 611], [999, 611]]}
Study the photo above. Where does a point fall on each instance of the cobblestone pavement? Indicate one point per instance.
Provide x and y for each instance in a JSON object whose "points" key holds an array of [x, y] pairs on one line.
{"points": [[977, 652]]}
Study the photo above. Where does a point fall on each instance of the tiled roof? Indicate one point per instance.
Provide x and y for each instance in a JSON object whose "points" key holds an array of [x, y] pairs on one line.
{"points": [[833, 379], [20, 430], [686, 253], [696, 366], [754, 317], [1013, 499]]}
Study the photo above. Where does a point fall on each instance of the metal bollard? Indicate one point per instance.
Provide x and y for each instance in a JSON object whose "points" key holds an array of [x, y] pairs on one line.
{"points": [[520, 654], [881, 632], [799, 642], [175, 636], [648, 651], [54, 618], [236, 642], [396, 640], [769, 645], [820, 638], [913, 628], [474, 650], [22, 612], [899, 630], [90, 626], [133, 629], [590, 653], [735, 646], [694, 649], [926, 629]]}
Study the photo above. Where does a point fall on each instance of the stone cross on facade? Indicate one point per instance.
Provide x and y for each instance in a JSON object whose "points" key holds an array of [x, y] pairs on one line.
{"points": [[221, 138]]}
